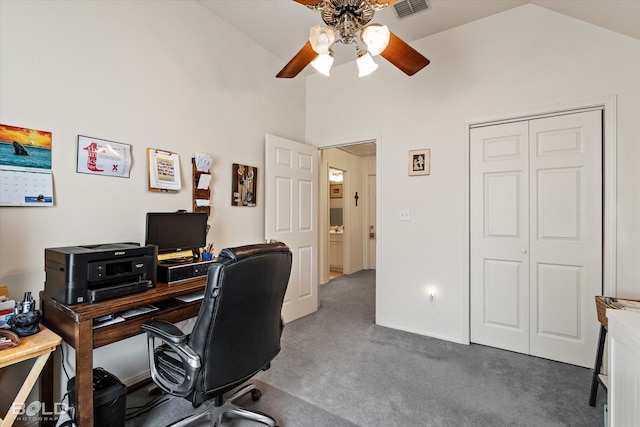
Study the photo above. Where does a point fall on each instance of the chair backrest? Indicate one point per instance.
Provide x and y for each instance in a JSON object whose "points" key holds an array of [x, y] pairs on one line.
{"points": [[237, 331]]}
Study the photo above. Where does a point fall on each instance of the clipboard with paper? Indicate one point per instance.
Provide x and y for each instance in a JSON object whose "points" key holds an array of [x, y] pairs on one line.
{"points": [[164, 170]]}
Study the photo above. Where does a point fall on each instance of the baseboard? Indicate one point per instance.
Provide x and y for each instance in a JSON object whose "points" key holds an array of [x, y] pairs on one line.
{"points": [[137, 381], [426, 333]]}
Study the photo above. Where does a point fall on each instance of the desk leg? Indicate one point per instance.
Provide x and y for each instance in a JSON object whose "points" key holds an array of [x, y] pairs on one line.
{"points": [[46, 391], [84, 373], [596, 370], [25, 389]]}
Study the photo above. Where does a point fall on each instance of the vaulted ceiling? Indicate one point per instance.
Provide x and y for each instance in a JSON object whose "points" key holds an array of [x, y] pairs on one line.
{"points": [[282, 26]]}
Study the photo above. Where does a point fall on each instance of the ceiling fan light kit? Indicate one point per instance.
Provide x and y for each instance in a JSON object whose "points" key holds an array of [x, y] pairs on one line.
{"points": [[323, 62], [366, 64], [376, 37], [345, 19], [321, 38]]}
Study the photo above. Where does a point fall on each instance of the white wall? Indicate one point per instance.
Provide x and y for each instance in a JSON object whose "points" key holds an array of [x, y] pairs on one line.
{"points": [[522, 59], [163, 74]]}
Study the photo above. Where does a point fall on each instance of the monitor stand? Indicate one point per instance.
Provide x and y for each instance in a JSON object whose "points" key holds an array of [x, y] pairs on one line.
{"points": [[184, 260], [172, 272]]}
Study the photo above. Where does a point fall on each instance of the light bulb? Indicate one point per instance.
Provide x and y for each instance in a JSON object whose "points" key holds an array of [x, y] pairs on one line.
{"points": [[321, 38]]}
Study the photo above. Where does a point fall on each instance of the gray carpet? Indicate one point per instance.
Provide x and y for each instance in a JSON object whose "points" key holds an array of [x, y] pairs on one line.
{"points": [[337, 368], [288, 410]]}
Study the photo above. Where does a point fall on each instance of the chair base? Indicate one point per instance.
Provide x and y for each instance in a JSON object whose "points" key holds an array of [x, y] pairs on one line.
{"points": [[215, 414]]}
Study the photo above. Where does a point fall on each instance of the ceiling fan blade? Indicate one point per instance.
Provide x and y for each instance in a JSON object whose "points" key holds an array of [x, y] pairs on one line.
{"points": [[308, 2], [298, 62], [391, 2], [403, 56]]}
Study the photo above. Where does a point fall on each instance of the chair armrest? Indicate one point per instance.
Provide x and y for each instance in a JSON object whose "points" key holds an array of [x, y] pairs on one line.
{"points": [[165, 331], [176, 340]]}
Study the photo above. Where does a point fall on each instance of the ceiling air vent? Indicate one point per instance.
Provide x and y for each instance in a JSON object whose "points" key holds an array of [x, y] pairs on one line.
{"points": [[405, 8]]}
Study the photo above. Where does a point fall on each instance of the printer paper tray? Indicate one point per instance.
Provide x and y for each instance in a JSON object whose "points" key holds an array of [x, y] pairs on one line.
{"points": [[109, 292]]}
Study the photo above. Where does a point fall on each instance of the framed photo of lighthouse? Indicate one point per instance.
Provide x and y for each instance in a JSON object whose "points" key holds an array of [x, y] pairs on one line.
{"points": [[102, 157]]}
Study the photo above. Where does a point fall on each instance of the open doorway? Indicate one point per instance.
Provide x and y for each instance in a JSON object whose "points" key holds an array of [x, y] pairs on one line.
{"points": [[350, 246], [336, 222]]}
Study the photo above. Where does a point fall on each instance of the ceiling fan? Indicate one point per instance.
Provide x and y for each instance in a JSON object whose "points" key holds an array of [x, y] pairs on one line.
{"points": [[344, 19]]}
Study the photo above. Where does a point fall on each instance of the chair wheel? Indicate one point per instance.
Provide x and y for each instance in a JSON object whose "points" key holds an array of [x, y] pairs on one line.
{"points": [[256, 394]]}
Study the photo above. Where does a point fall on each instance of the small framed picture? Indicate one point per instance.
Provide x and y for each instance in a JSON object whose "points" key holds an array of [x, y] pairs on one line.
{"points": [[335, 191], [419, 162], [243, 185]]}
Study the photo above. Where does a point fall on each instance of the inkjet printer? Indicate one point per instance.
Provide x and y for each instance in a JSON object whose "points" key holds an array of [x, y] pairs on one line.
{"points": [[77, 274]]}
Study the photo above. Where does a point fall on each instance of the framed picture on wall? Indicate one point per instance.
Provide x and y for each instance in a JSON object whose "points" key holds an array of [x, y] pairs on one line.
{"points": [[335, 191], [419, 162], [102, 157], [243, 185]]}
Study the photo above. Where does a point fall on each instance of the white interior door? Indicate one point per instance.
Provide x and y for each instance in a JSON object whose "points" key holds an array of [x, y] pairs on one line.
{"points": [[566, 235], [536, 235], [291, 216], [500, 236]]}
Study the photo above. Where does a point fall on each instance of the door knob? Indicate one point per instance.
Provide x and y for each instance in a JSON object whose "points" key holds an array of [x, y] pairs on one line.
{"points": [[524, 251]]}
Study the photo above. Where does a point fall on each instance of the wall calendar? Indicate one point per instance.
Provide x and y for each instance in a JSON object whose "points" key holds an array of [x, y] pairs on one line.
{"points": [[25, 167]]}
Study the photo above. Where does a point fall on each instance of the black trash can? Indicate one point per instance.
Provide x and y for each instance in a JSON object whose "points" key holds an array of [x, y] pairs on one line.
{"points": [[109, 398]]}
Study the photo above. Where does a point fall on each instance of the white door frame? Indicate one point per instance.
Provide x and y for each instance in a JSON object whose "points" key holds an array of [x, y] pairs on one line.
{"points": [[375, 137], [367, 249], [609, 199]]}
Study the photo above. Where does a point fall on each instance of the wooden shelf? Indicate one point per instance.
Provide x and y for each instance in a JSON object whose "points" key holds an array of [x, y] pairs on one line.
{"points": [[199, 193]]}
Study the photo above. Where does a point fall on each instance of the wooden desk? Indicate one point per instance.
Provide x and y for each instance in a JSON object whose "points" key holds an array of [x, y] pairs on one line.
{"points": [[75, 324], [39, 345]]}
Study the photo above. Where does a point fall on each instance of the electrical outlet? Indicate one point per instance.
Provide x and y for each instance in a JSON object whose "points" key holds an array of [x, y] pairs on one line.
{"points": [[432, 297], [405, 215]]}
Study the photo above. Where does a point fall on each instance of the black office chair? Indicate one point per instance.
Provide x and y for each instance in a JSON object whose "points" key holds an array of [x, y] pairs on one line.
{"points": [[236, 334]]}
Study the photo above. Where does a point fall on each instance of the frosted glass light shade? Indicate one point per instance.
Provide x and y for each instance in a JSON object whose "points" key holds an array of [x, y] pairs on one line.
{"points": [[323, 63], [321, 38], [376, 37], [366, 65]]}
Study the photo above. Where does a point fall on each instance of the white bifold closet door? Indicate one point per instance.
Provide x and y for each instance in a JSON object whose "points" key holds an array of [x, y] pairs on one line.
{"points": [[536, 235]]}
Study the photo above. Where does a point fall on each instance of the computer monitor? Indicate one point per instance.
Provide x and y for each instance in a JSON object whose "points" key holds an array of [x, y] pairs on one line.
{"points": [[176, 231]]}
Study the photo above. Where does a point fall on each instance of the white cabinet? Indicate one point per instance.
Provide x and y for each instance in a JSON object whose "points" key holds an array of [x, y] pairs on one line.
{"points": [[624, 378], [335, 252]]}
